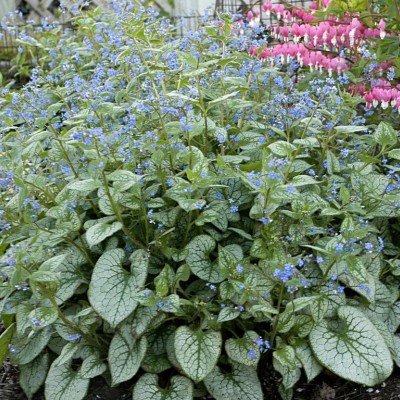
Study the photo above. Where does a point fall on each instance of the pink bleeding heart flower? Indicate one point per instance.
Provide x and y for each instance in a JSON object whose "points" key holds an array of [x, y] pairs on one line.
{"points": [[278, 9]]}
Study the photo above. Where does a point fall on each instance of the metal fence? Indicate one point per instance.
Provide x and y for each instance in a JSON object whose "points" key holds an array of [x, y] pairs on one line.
{"points": [[239, 7]]}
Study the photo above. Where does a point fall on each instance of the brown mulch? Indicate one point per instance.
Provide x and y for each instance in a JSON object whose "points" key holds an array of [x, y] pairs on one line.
{"points": [[325, 387], [330, 387]]}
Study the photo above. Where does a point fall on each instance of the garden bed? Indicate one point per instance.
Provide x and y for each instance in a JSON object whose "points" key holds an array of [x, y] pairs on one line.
{"points": [[326, 387]]}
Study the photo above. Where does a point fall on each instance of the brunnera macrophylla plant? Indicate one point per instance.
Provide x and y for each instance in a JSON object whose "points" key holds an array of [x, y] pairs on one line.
{"points": [[176, 214]]}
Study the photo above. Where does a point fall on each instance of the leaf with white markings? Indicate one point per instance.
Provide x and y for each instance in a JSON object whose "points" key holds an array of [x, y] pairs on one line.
{"points": [[113, 291], [197, 351], [5, 341], [228, 314], [147, 388], [123, 180], [310, 364], [92, 366], [33, 375], [354, 349], [125, 354], [241, 383], [244, 350], [71, 275], [198, 259], [385, 134], [63, 383], [27, 348], [97, 233]]}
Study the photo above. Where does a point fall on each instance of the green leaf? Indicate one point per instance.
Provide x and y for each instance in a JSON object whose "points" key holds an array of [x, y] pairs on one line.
{"points": [[302, 180], [197, 351], [92, 366], [147, 388], [310, 364], [27, 348], [353, 349], [198, 259], [105, 204], [144, 318], [43, 315], [206, 216], [33, 375], [242, 383], [259, 249], [165, 280], [5, 341], [227, 261], [155, 363], [333, 164], [223, 98], [286, 356], [86, 185], [394, 154], [125, 354], [67, 353], [123, 180], [97, 233], [71, 275], [113, 291], [396, 349], [300, 303], [290, 374], [238, 349], [228, 314], [63, 383], [350, 129], [385, 134], [282, 148]]}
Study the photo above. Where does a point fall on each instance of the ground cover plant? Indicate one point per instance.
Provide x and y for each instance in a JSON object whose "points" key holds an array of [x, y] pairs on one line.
{"points": [[179, 214]]}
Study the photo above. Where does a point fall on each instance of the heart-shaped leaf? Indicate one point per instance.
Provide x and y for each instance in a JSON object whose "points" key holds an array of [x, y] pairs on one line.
{"points": [[353, 349], [125, 354], [147, 388], [244, 350], [113, 290], [63, 383], [241, 383], [197, 351], [32, 375], [198, 259], [97, 233]]}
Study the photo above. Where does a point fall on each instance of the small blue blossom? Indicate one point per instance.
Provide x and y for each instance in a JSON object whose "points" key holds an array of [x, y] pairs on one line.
{"points": [[369, 247], [73, 337], [339, 248], [239, 268]]}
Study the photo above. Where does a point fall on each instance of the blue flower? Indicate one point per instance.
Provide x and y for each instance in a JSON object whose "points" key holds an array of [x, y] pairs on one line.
{"points": [[73, 337], [339, 248], [369, 247]]}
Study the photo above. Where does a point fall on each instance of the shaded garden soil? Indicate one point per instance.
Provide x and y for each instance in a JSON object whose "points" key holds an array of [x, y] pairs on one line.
{"points": [[325, 387]]}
